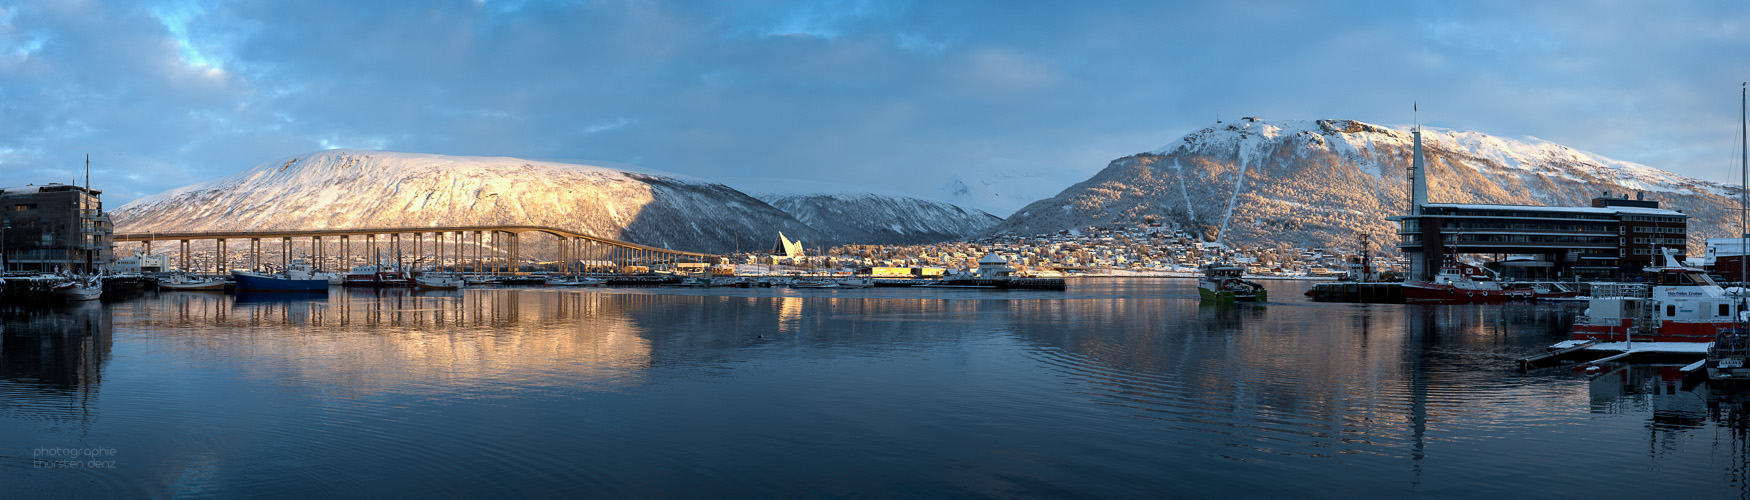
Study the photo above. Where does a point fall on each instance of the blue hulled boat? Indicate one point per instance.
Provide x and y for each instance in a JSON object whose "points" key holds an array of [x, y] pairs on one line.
{"points": [[257, 282]]}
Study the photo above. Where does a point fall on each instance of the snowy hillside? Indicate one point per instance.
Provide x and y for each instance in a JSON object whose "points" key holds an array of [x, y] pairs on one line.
{"points": [[1003, 186], [868, 217], [352, 188], [1319, 183]]}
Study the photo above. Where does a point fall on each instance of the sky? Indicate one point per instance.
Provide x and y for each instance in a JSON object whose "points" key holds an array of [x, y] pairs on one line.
{"points": [[894, 95]]}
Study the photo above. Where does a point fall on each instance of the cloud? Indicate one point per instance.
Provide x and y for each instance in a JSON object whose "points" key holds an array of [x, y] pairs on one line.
{"points": [[894, 95]]}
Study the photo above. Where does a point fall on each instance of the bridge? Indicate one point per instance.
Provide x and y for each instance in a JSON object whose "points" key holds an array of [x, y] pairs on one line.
{"points": [[491, 248]]}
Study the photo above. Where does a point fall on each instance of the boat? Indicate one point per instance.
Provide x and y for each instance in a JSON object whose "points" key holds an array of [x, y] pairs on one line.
{"points": [[856, 282], [1682, 304], [1546, 290], [1458, 283], [994, 272], [480, 279], [1223, 283], [260, 282], [78, 288], [376, 276], [437, 282], [1727, 355], [584, 281], [186, 282], [524, 279], [814, 283]]}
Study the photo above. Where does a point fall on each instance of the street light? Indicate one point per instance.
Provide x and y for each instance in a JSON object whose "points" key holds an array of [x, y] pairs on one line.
{"points": [[4, 225]]}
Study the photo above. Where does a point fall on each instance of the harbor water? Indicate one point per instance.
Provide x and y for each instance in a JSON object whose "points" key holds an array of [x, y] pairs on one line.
{"points": [[1113, 388]]}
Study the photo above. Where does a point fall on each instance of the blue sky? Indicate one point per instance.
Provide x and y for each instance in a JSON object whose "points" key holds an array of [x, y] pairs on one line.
{"points": [[891, 95]]}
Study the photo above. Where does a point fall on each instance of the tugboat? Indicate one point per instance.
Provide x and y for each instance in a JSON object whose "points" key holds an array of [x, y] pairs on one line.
{"points": [[1222, 283], [1459, 283]]}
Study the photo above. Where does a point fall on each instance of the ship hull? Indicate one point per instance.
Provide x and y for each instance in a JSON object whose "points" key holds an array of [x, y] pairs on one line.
{"points": [[250, 282], [1424, 292]]}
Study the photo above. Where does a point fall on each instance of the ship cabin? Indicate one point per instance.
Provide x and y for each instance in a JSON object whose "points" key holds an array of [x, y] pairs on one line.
{"points": [[1683, 276]]}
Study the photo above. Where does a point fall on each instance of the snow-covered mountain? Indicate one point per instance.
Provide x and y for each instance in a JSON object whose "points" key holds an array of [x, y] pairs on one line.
{"points": [[1318, 183], [868, 217], [1002, 186], [353, 188]]}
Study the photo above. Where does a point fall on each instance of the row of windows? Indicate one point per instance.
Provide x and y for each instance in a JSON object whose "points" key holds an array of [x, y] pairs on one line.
{"points": [[1651, 218], [1658, 229], [1659, 241], [1511, 213]]}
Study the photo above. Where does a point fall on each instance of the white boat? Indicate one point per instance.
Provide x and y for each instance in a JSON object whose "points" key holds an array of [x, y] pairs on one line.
{"points": [[186, 282], [584, 281], [1682, 304], [814, 283], [79, 288], [856, 282], [438, 282], [480, 279]]}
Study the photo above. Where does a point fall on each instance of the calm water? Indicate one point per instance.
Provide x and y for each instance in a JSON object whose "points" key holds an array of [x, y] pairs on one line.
{"points": [[1115, 388]]}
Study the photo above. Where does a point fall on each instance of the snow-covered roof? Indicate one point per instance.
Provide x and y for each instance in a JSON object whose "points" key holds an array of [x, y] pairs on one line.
{"points": [[993, 258], [1572, 210], [33, 189]]}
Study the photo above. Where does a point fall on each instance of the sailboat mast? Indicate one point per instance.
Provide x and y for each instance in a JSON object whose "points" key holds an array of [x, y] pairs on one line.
{"points": [[1744, 170]]}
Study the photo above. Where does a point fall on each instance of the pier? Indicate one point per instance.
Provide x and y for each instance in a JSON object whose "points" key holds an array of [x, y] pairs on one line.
{"points": [[1355, 291]]}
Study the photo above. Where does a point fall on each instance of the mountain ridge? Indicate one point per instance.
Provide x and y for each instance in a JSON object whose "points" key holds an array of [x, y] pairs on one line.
{"points": [[356, 188], [1318, 183]]}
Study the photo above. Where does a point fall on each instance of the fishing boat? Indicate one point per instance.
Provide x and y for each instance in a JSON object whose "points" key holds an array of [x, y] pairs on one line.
{"points": [[1726, 357], [1223, 283], [260, 282], [856, 282], [186, 282], [79, 288], [376, 276]]}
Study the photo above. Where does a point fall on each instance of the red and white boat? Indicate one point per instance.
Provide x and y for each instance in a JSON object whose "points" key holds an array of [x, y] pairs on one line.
{"points": [[1682, 304], [1459, 283]]}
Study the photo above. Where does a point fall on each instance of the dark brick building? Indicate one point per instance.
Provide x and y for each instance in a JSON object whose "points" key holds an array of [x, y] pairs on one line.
{"points": [[56, 227]]}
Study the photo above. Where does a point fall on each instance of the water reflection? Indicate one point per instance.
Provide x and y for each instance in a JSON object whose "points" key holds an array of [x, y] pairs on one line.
{"points": [[1122, 392], [402, 340], [51, 359]]}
